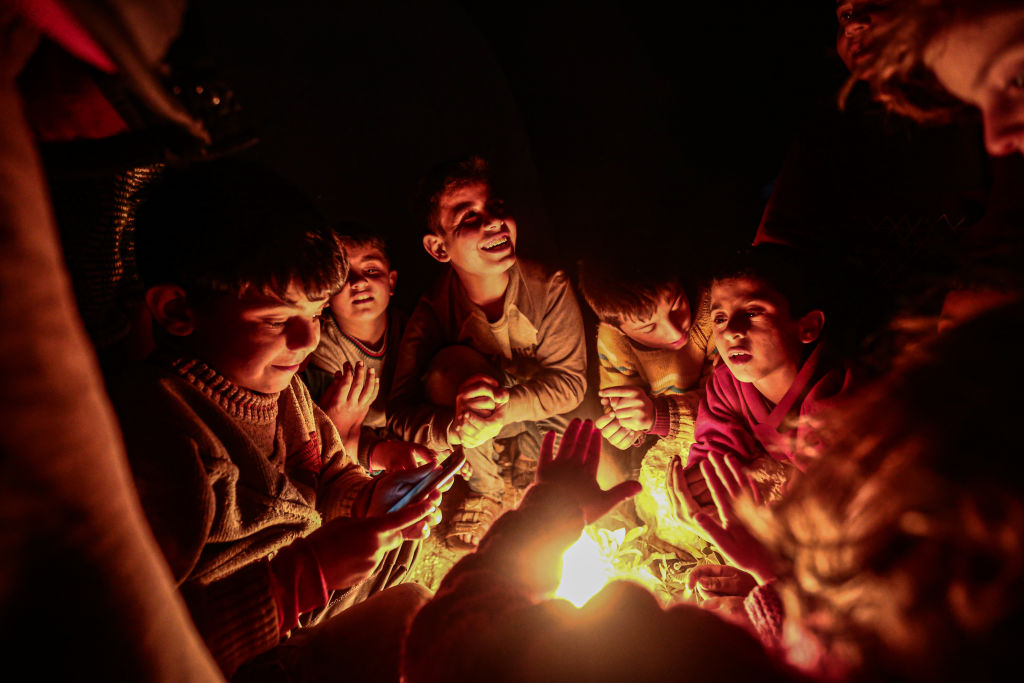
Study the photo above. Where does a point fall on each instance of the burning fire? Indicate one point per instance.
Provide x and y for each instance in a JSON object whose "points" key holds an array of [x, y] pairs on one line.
{"points": [[599, 557]]}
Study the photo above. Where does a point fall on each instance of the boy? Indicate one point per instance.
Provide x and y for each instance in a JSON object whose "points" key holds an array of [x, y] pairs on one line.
{"points": [[655, 355], [522, 319], [777, 373], [652, 351], [350, 372], [257, 507]]}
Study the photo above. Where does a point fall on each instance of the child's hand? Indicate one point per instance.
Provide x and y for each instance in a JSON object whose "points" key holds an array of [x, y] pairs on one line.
{"points": [[479, 411], [348, 399], [391, 486], [688, 491], [349, 549], [631, 406], [720, 580], [615, 433], [727, 481], [392, 456], [574, 469]]}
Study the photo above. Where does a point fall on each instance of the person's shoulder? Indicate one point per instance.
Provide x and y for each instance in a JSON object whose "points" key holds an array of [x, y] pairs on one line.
{"points": [[539, 274]]}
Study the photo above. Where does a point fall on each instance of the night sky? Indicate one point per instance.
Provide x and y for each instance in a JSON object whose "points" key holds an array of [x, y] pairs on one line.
{"points": [[615, 123]]}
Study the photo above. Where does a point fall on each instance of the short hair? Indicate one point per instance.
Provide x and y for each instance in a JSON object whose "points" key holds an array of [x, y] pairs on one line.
{"points": [[794, 273], [224, 227], [904, 541], [623, 288], [354, 236], [895, 68], [443, 178]]}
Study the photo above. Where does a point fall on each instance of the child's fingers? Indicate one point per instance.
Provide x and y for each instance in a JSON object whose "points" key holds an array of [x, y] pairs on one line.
{"points": [[725, 475], [719, 494], [715, 531], [547, 450], [737, 470], [568, 442], [755, 492], [604, 421], [619, 392], [408, 515], [369, 389], [358, 382]]}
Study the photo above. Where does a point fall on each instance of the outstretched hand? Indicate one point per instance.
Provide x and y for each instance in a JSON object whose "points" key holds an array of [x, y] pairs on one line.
{"points": [[574, 469], [347, 400], [350, 548], [728, 482]]}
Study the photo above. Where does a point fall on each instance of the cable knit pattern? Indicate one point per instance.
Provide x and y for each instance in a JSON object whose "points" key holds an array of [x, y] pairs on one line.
{"points": [[764, 608], [227, 477], [237, 401]]}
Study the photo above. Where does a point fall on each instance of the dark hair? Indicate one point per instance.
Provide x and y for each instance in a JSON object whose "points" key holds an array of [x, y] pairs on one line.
{"points": [[895, 67], [351, 235], [441, 179], [622, 288], [905, 540], [226, 226], [793, 273]]}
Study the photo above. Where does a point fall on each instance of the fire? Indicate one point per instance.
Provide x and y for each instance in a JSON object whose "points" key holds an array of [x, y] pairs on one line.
{"points": [[598, 558]]}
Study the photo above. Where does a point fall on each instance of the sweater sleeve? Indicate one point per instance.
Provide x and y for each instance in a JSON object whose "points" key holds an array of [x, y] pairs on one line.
{"points": [[721, 427], [411, 416], [560, 384], [236, 615]]}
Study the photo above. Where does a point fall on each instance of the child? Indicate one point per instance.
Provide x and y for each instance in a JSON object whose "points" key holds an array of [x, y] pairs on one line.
{"points": [[522, 318], [258, 509], [899, 553], [777, 373], [653, 351], [349, 375], [655, 355]]}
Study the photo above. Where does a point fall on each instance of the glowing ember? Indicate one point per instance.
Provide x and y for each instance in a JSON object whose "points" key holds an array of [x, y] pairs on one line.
{"points": [[598, 558]]}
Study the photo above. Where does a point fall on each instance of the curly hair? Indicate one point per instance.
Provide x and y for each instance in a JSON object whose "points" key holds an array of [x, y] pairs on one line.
{"points": [[906, 540], [443, 178], [895, 68]]}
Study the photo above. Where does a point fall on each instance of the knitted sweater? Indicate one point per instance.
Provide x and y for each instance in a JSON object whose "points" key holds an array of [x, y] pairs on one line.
{"points": [[537, 343], [674, 378], [335, 349], [227, 477], [735, 418]]}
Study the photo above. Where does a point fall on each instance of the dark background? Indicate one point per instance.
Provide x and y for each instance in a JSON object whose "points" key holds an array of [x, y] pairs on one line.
{"points": [[628, 126]]}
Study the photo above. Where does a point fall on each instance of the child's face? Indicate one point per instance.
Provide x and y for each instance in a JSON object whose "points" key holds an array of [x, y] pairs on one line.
{"points": [[982, 63], [479, 237], [754, 332], [257, 341], [368, 288], [667, 328], [856, 18]]}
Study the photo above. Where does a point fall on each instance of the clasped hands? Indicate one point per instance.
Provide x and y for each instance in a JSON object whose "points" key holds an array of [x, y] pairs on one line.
{"points": [[628, 411], [480, 408]]}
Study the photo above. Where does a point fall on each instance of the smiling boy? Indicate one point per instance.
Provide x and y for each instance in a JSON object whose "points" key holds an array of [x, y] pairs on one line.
{"points": [[261, 515], [522, 319], [777, 374]]}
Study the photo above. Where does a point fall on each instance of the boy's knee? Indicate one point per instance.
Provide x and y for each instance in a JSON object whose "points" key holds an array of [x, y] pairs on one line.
{"points": [[452, 366]]}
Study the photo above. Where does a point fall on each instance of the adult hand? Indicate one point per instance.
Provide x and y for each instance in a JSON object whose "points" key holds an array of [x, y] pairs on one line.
{"points": [[632, 407], [348, 399], [615, 433], [349, 549], [720, 580], [574, 469], [393, 455], [728, 482]]}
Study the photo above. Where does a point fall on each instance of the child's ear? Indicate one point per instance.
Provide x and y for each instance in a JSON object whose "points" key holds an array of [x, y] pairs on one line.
{"points": [[811, 325], [392, 279], [170, 309], [435, 247]]}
